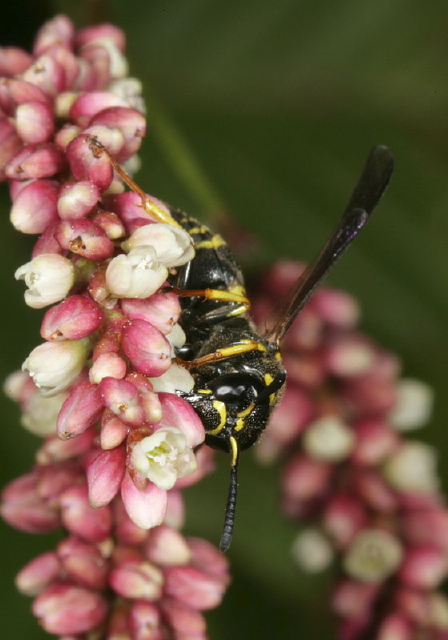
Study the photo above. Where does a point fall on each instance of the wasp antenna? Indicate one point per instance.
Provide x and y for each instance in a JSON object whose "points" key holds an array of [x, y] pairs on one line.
{"points": [[369, 189], [229, 518]]}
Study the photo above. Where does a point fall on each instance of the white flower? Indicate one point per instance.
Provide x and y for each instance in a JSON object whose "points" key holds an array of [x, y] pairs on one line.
{"points": [[164, 457], [41, 414], [173, 246], [412, 468], [413, 407], [176, 337], [49, 277], [373, 555], [53, 366], [328, 439], [177, 378], [135, 275], [312, 550]]}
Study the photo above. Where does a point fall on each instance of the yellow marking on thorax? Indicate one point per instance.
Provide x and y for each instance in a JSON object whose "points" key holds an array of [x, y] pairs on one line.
{"points": [[267, 380], [245, 412], [201, 229], [240, 424], [214, 243], [220, 407], [204, 391]]}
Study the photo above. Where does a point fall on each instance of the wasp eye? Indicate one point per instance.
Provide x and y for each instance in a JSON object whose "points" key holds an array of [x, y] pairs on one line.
{"points": [[237, 388]]}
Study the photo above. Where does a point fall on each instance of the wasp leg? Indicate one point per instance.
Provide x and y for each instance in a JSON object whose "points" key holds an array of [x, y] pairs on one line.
{"points": [[226, 352], [148, 205], [216, 315]]}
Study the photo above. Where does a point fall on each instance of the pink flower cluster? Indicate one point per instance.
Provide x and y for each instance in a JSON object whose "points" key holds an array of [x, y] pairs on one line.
{"points": [[119, 444], [367, 495]]}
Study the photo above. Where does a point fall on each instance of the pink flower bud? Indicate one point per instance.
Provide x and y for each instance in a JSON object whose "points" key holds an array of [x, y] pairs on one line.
{"points": [[395, 627], [80, 519], [13, 61], [23, 508], [141, 580], [193, 587], [337, 308], [91, 103], [107, 365], [49, 278], [105, 471], [165, 546], [38, 574], [36, 161], [187, 622], [128, 208], [54, 479], [83, 563], [99, 32], [426, 526], [55, 450], [304, 480], [87, 164], [145, 621], [66, 609], [47, 74], [307, 371], [110, 223], [131, 122], [10, 144], [423, 567], [80, 411], [352, 598], [34, 122], [344, 516], [126, 532], [54, 366], [77, 200], [162, 310], [374, 491], [178, 413], [15, 91], [374, 441], [113, 431], [85, 239], [206, 556], [74, 318], [146, 507], [58, 30], [34, 207], [146, 347], [413, 604], [47, 243], [122, 398]]}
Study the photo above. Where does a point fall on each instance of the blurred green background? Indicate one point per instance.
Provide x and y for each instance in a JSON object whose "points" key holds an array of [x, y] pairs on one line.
{"points": [[278, 102]]}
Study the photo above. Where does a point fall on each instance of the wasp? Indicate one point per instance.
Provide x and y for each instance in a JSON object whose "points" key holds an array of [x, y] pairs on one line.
{"points": [[236, 368]]}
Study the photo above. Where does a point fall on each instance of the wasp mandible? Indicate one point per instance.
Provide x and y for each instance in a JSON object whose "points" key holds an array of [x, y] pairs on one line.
{"points": [[237, 369]]}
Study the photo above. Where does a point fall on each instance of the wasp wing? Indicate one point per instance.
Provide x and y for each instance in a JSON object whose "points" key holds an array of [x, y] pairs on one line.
{"points": [[366, 195]]}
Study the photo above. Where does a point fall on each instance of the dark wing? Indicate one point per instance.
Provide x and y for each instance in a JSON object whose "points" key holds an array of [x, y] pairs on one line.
{"points": [[366, 195]]}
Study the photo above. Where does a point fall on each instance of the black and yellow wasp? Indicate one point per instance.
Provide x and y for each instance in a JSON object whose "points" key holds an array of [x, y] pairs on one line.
{"points": [[237, 371]]}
